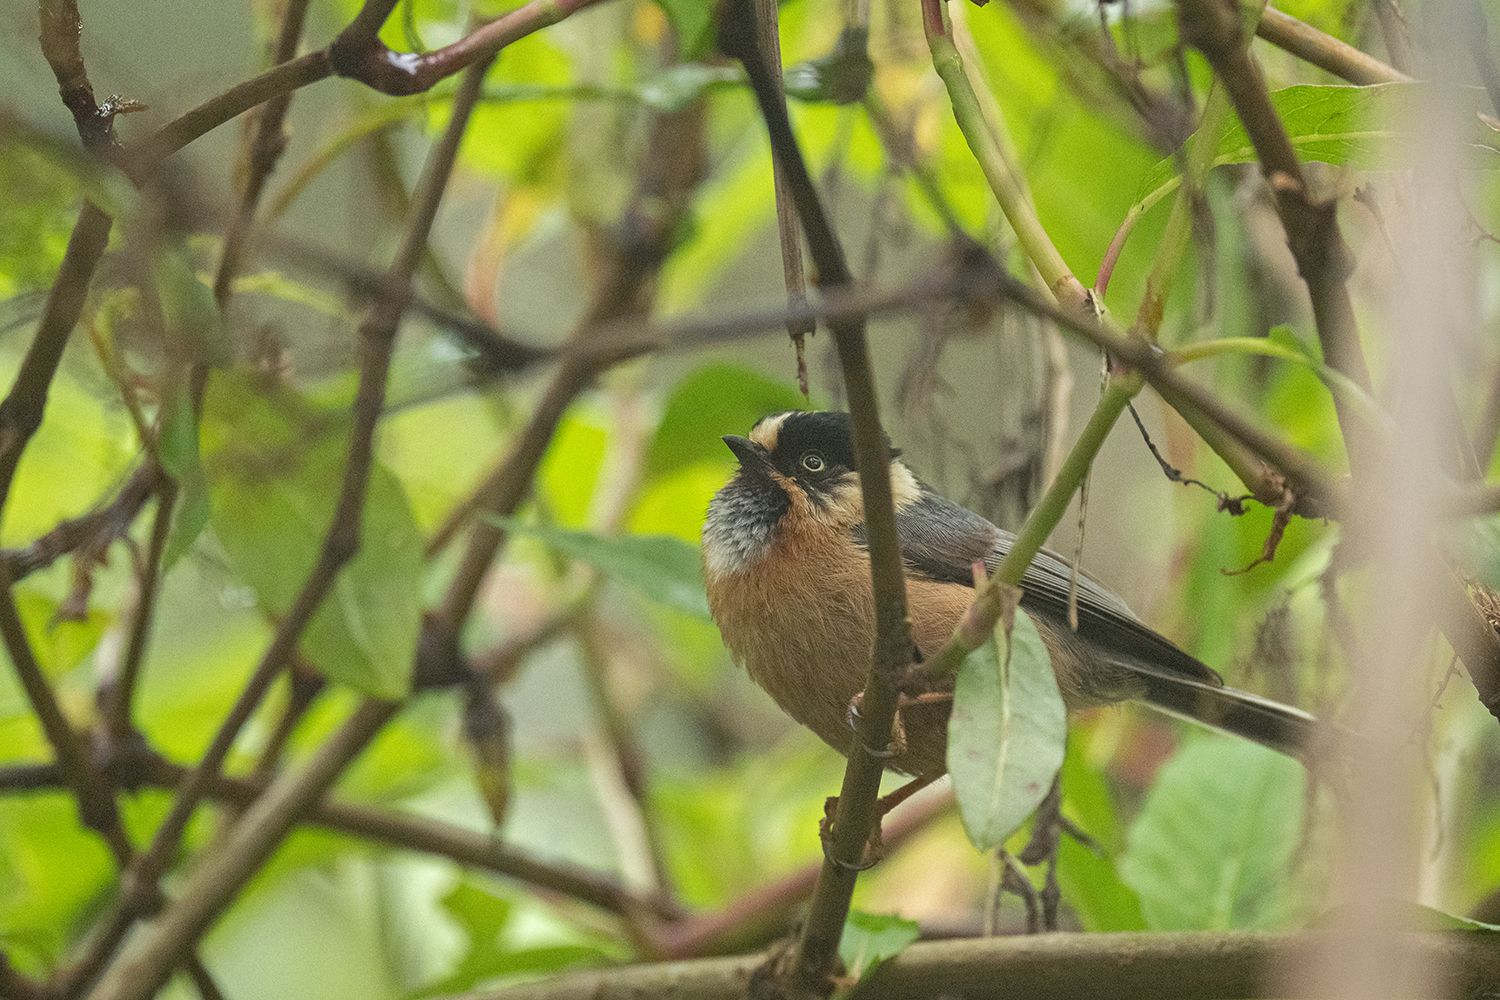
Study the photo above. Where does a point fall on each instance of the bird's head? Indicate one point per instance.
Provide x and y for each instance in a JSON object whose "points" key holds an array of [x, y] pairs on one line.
{"points": [[795, 467]]}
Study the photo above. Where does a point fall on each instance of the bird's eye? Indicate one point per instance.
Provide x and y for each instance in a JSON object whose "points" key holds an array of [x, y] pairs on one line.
{"points": [[813, 462]]}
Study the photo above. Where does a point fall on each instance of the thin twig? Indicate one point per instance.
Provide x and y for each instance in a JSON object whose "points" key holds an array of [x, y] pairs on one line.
{"points": [[21, 410], [359, 54], [119, 693]]}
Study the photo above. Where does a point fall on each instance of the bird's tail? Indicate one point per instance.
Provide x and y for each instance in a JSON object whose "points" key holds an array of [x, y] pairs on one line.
{"points": [[1281, 727]]}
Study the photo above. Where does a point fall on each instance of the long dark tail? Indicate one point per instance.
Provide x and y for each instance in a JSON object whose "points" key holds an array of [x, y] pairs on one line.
{"points": [[1281, 727]]}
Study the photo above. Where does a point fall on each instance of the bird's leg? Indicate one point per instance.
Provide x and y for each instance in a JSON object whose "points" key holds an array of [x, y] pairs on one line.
{"points": [[875, 848], [888, 802]]}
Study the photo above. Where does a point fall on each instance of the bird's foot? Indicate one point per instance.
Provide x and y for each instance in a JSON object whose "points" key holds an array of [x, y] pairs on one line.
{"points": [[897, 745], [874, 848]]}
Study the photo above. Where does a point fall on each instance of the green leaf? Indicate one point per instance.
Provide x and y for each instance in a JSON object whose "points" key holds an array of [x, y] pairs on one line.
{"points": [[275, 463], [178, 441], [694, 23], [489, 921], [664, 569], [1212, 848], [1089, 879], [1339, 124], [192, 317], [1007, 733], [710, 402], [872, 938]]}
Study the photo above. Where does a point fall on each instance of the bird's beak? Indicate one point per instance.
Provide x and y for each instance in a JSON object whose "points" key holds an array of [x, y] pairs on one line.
{"points": [[748, 452]]}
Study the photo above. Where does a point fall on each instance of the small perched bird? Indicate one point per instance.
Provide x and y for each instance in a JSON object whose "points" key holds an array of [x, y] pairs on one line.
{"points": [[788, 576]]}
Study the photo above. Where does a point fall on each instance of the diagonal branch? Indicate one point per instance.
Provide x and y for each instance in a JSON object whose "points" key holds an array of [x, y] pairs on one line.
{"points": [[359, 53], [1323, 50], [21, 410]]}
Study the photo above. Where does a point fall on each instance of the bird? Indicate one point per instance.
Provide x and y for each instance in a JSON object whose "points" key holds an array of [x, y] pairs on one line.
{"points": [[787, 571]]}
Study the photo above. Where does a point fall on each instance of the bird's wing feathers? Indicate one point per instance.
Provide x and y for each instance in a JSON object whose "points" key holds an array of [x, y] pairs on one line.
{"points": [[941, 540]]}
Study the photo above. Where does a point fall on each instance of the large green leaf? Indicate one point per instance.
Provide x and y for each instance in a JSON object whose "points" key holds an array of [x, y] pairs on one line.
{"points": [[664, 569], [1338, 124], [1212, 848], [1089, 878], [710, 402], [275, 464], [1007, 733]]}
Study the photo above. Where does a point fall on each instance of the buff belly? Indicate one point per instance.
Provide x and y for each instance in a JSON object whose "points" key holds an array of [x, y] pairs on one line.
{"points": [[801, 619]]}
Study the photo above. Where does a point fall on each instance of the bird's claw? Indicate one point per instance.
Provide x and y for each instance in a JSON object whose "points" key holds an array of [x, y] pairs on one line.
{"points": [[897, 745]]}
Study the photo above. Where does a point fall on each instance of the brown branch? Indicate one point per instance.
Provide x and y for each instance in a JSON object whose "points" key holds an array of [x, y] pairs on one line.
{"points": [[60, 37], [1182, 965], [340, 544], [265, 139], [92, 532], [788, 233], [96, 802], [855, 817], [140, 767], [146, 155], [1323, 50], [358, 52]]}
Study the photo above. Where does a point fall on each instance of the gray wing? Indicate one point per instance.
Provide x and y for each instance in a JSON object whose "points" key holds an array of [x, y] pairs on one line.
{"points": [[941, 540]]}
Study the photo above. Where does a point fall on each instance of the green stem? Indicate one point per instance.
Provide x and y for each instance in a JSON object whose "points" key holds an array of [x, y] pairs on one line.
{"points": [[979, 621], [1198, 155], [1336, 381], [1004, 179], [1049, 511]]}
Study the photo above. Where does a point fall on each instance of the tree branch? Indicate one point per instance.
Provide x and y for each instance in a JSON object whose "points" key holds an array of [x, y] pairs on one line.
{"points": [[1169, 966], [21, 410], [359, 54], [855, 816], [1323, 50]]}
